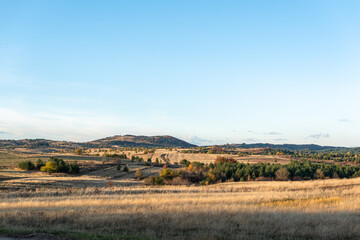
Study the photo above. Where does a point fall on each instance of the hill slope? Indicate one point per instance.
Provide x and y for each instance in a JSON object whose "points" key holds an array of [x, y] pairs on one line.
{"points": [[140, 141], [149, 142], [115, 141]]}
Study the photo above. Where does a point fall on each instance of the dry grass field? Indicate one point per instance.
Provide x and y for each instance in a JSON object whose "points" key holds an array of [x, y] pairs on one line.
{"points": [[176, 156], [321, 209], [104, 203]]}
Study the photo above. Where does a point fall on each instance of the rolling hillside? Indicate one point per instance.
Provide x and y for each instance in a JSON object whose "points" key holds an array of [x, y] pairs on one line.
{"points": [[140, 141], [115, 141], [151, 141]]}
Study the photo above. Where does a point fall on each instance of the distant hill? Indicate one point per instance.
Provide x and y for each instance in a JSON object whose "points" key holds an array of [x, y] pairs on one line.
{"points": [[139, 141], [37, 143], [115, 141], [149, 142], [293, 147]]}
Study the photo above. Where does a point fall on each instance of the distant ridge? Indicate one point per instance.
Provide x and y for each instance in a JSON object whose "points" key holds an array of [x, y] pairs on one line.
{"points": [[150, 142], [293, 147], [140, 141], [114, 141]]}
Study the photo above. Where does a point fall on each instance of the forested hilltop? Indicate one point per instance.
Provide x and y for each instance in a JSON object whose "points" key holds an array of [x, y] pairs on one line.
{"points": [[109, 142], [165, 141]]}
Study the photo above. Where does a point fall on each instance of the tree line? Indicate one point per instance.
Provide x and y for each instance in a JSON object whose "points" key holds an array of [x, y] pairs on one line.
{"points": [[54, 165], [227, 169]]}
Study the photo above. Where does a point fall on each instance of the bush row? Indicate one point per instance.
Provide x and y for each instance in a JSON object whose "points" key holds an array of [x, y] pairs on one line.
{"points": [[54, 165], [227, 169]]}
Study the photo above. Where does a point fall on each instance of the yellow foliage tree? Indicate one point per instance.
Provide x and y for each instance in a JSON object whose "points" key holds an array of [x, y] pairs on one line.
{"points": [[49, 167]]}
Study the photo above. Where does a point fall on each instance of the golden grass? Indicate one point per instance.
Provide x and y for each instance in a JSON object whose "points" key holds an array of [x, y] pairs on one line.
{"points": [[322, 209], [176, 156], [306, 202]]}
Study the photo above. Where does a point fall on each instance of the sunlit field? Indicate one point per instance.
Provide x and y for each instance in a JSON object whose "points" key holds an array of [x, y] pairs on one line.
{"points": [[179, 120], [319, 209], [102, 202]]}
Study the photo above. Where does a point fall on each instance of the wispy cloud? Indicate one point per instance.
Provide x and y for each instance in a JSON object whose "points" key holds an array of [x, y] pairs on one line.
{"points": [[252, 140], [344, 120], [273, 133], [280, 139], [4, 132], [197, 141], [319, 135], [265, 133]]}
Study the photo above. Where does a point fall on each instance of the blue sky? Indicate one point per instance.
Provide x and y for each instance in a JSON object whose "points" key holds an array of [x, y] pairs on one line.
{"points": [[204, 71]]}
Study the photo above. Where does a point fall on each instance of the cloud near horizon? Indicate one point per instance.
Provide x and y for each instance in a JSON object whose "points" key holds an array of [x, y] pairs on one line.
{"points": [[344, 120], [280, 139], [252, 140], [273, 133], [197, 141], [320, 135]]}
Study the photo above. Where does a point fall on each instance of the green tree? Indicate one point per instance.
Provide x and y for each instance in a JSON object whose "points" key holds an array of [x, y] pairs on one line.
{"points": [[74, 167], [39, 164], [26, 165]]}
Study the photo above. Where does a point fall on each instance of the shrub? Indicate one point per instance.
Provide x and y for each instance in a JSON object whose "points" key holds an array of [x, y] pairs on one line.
{"points": [[194, 177], [74, 167], [319, 174], [26, 165], [149, 181], [118, 166], [50, 167], [157, 180], [167, 173], [125, 169], [59, 165], [139, 175], [222, 160], [282, 174], [195, 166], [185, 162], [78, 151], [39, 164], [177, 181]]}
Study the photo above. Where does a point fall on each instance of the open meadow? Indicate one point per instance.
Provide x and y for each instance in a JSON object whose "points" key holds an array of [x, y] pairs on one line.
{"points": [[321, 209], [102, 202], [179, 120]]}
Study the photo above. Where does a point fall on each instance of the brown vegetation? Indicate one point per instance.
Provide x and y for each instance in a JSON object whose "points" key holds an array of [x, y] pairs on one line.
{"points": [[103, 200], [321, 209]]}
